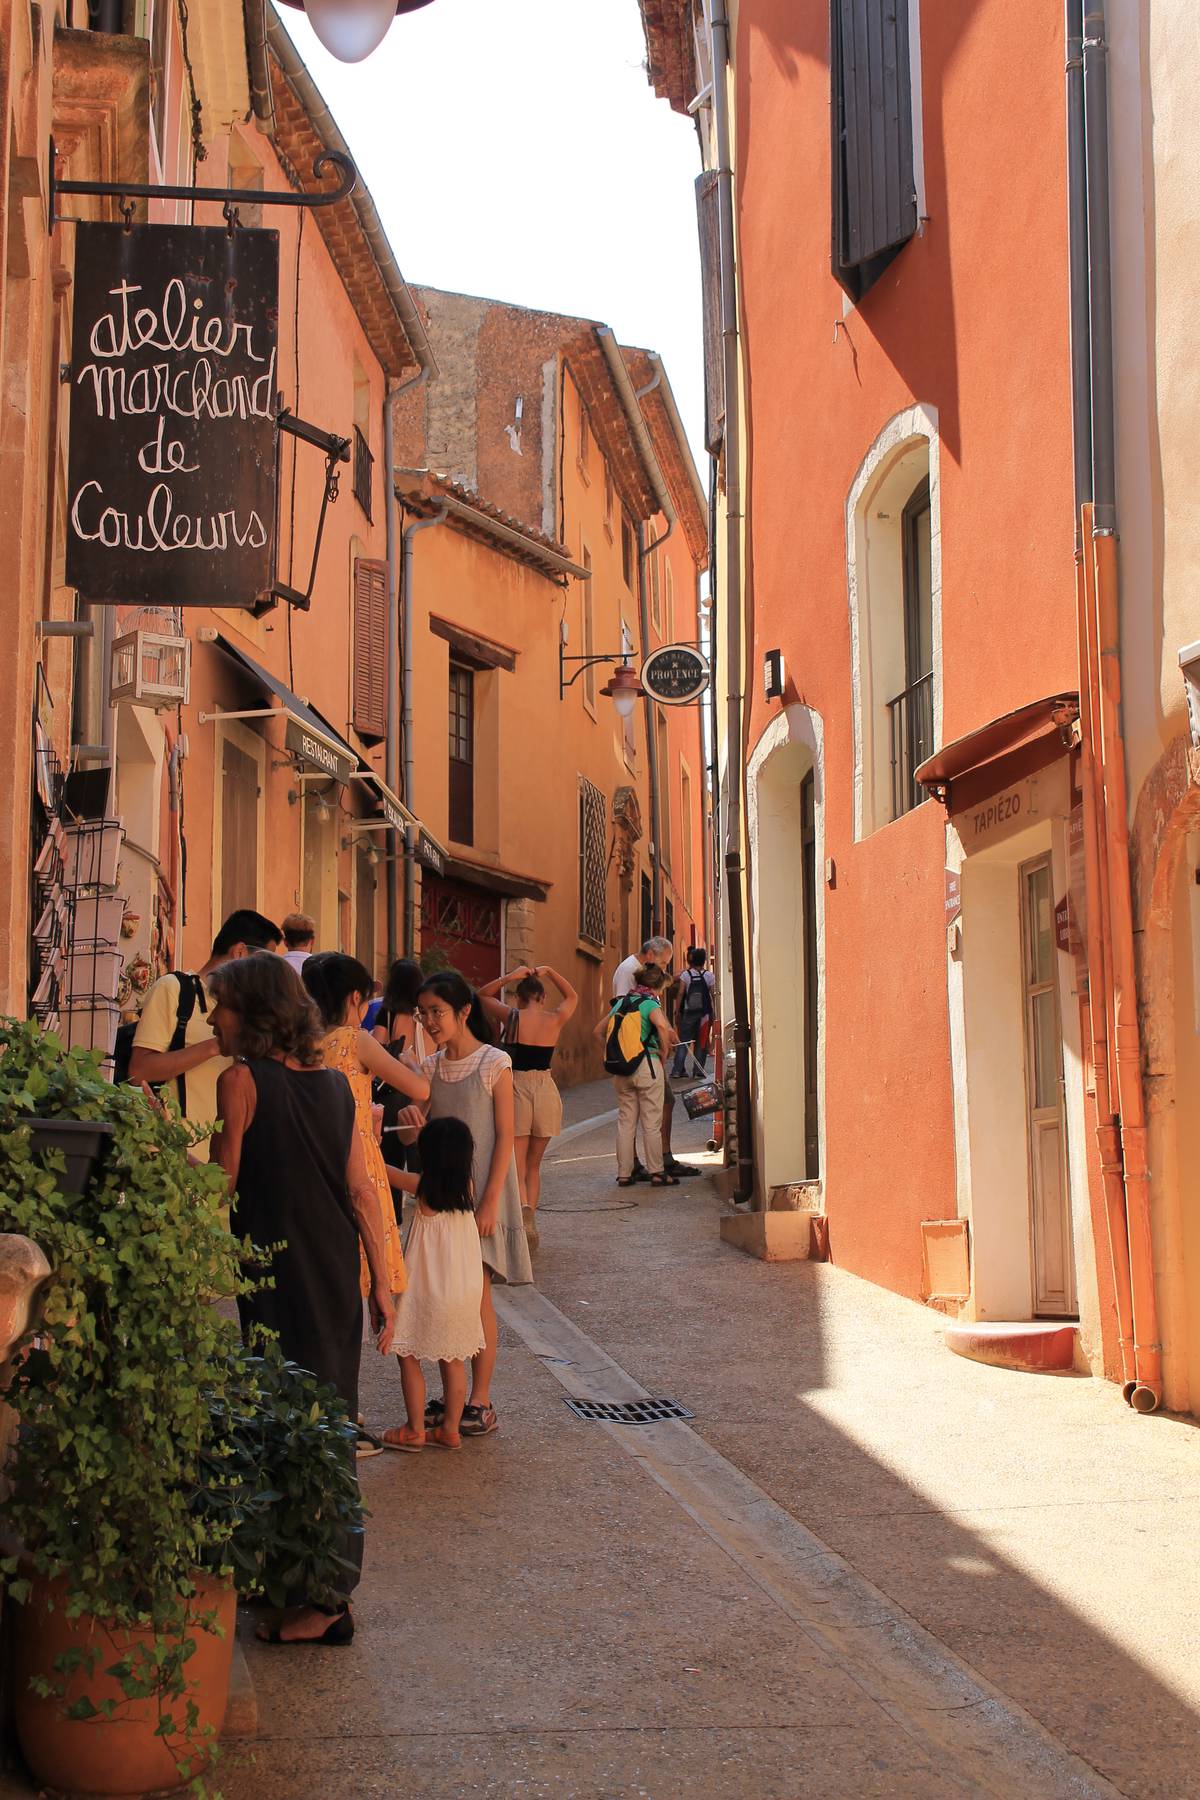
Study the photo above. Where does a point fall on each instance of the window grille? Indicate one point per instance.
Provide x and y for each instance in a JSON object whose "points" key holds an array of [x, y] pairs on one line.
{"points": [[593, 863], [911, 718], [364, 463]]}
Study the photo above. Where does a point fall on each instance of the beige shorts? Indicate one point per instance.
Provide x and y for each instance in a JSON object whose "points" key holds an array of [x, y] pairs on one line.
{"points": [[537, 1104]]}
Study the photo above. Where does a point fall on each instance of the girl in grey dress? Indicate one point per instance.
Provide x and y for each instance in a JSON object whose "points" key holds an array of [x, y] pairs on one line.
{"points": [[470, 1079]]}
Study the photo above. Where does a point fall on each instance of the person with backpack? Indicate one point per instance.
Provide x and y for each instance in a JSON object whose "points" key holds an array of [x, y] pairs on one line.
{"points": [[637, 1039], [694, 1006], [173, 1045]]}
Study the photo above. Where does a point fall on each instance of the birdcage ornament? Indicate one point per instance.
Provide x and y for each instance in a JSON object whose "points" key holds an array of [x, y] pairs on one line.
{"points": [[152, 660]]}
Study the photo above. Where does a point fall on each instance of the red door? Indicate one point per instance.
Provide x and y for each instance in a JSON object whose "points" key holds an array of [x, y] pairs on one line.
{"points": [[463, 923]]}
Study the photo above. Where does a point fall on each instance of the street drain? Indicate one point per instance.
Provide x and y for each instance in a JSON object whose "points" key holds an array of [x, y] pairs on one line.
{"points": [[628, 1412]]}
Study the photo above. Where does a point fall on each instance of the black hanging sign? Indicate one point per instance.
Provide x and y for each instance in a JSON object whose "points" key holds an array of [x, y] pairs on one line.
{"points": [[171, 475], [675, 674]]}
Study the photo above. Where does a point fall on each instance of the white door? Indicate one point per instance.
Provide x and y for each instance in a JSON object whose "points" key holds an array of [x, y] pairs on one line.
{"points": [[1053, 1251]]}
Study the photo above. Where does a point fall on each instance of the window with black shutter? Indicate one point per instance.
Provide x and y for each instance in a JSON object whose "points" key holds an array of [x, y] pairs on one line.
{"points": [[462, 754], [709, 225], [370, 647], [874, 181]]}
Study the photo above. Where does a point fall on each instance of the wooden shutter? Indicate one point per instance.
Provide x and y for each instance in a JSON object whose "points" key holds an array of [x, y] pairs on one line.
{"points": [[709, 223], [370, 647], [874, 186]]}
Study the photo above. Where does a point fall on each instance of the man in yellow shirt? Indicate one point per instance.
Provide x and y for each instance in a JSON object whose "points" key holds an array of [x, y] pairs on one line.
{"points": [[173, 1044]]}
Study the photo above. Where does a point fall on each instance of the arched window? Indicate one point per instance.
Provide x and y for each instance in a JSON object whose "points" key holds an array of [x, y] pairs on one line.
{"points": [[893, 550]]}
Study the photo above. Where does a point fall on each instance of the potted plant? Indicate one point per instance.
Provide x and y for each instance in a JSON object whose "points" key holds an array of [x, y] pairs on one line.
{"points": [[279, 1480], [43, 1091], [122, 1640]]}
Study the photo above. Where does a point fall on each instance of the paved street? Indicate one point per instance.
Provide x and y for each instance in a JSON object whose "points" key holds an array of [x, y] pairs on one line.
{"points": [[576, 1609]]}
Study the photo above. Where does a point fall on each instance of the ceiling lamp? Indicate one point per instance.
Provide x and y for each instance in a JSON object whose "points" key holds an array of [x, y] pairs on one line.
{"points": [[351, 29]]}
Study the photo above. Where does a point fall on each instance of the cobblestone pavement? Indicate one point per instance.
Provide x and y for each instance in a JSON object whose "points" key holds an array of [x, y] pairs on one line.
{"points": [[864, 1568]]}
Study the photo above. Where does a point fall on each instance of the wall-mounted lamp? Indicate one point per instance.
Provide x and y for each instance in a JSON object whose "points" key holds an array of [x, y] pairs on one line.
{"points": [[351, 29], [622, 686], [774, 674]]}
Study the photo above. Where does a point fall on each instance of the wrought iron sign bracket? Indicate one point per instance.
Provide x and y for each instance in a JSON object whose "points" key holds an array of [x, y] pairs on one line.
{"points": [[126, 192], [566, 681], [337, 450]]}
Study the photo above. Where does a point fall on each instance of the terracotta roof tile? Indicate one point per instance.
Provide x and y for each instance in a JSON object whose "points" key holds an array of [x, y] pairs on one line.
{"points": [[670, 52]]}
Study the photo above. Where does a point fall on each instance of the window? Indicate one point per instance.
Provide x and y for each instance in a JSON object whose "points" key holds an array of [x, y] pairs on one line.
{"points": [[593, 863], [686, 828], [912, 709], [584, 436], [874, 178], [588, 606], [893, 549], [370, 647], [628, 553], [609, 499], [462, 754], [628, 725], [239, 828], [364, 463]]}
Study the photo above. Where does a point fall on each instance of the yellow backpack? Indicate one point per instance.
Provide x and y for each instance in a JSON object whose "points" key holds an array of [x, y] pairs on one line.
{"points": [[624, 1050]]}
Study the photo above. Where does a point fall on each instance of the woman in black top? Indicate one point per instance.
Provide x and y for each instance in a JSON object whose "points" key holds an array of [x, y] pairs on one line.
{"points": [[296, 1175], [531, 1033]]}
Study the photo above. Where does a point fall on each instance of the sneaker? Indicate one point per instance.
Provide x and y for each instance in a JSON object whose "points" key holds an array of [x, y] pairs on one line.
{"points": [[478, 1421], [366, 1445]]}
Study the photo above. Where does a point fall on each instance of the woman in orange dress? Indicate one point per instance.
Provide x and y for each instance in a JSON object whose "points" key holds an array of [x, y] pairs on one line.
{"points": [[341, 987]]}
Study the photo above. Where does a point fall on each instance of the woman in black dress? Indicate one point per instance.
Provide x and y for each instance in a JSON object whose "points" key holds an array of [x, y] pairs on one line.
{"points": [[296, 1173]]}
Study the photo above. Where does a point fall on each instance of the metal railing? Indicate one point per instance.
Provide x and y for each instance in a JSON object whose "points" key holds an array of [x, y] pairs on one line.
{"points": [[910, 716], [364, 462]]}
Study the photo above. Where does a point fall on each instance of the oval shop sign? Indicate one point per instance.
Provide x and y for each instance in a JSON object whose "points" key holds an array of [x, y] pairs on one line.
{"points": [[675, 674]]}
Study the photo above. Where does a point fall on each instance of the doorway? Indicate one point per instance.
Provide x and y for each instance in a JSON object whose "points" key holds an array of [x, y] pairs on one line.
{"points": [[1049, 1186]]}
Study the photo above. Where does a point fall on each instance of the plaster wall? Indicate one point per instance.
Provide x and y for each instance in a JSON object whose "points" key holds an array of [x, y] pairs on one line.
{"points": [[822, 379]]}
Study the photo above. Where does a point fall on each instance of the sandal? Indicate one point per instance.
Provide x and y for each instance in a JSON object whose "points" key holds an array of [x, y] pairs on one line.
{"points": [[338, 1632], [478, 1421], [624, 1180], [664, 1180], [394, 1440]]}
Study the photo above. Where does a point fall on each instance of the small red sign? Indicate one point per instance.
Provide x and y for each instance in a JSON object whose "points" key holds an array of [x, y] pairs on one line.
{"points": [[1063, 935], [953, 895]]}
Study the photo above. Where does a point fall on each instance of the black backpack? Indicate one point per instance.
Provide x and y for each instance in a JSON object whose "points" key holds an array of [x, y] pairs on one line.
{"points": [[191, 991], [689, 1011]]}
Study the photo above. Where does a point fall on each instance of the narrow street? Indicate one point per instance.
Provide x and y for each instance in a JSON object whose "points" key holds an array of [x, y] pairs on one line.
{"points": [[866, 1567]]}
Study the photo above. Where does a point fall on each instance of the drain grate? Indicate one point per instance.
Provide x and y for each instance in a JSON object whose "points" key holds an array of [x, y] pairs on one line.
{"points": [[628, 1412]]}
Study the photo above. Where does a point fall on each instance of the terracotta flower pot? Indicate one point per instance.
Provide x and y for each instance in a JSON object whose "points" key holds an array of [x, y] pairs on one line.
{"points": [[120, 1755]]}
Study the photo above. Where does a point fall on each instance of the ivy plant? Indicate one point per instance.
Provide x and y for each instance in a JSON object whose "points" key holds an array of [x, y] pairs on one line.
{"points": [[115, 1396]]}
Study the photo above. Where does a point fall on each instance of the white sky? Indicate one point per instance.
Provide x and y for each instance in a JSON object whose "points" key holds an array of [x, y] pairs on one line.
{"points": [[514, 148]]}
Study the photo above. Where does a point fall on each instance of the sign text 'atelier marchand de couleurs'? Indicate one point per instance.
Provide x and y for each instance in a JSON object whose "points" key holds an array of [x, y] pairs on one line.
{"points": [[171, 478]]}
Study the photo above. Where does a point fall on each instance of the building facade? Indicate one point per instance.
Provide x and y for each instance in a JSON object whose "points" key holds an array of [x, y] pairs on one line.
{"points": [[928, 955], [566, 523]]}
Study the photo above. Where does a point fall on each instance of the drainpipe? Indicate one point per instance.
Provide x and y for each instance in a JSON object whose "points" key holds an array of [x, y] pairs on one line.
{"points": [[735, 771], [408, 609], [1099, 938], [392, 739], [652, 769], [1108, 849]]}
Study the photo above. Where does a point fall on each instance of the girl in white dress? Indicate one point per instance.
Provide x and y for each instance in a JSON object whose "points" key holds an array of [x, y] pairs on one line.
{"points": [[438, 1315]]}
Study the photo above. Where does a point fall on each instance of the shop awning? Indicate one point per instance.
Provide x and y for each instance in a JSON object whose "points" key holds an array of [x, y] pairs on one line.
{"points": [[397, 815], [306, 734], [1017, 743]]}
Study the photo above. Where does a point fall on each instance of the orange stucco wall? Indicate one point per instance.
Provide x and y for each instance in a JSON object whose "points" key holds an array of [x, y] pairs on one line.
{"points": [[971, 319]]}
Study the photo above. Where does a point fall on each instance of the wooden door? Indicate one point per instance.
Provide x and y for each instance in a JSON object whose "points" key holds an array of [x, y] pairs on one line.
{"points": [[1053, 1248]]}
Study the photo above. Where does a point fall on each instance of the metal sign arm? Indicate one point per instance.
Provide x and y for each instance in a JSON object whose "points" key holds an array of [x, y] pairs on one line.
{"points": [[337, 450], [229, 197], [586, 662]]}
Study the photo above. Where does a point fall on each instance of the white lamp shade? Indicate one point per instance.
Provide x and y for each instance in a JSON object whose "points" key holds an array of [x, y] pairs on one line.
{"points": [[350, 29], [625, 700]]}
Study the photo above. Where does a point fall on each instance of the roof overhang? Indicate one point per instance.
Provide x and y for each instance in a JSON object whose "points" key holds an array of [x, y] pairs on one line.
{"points": [[395, 816], [427, 493], [309, 737], [1005, 749]]}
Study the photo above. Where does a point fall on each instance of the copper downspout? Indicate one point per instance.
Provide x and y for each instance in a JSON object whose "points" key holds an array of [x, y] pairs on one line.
{"points": [[1100, 970], [1126, 1033]]}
